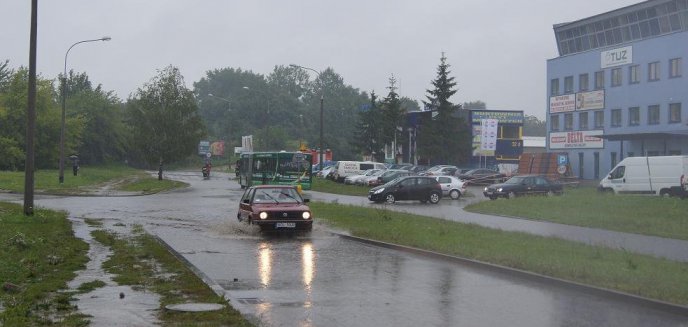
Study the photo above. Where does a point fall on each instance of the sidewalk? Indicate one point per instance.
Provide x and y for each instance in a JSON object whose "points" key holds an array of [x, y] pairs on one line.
{"points": [[672, 249]]}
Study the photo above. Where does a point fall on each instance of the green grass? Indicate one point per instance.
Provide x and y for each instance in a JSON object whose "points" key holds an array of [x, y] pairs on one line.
{"points": [[47, 181], [38, 254], [328, 186], [647, 215], [614, 269], [137, 261]]}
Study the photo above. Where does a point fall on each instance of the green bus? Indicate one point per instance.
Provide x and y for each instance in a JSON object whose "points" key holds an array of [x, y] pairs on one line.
{"points": [[276, 168]]}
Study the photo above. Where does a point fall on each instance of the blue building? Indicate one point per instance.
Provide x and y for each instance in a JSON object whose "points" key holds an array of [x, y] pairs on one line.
{"points": [[617, 88]]}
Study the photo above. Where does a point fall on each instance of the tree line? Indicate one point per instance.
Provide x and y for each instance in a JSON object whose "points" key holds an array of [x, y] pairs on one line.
{"points": [[163, 120]]}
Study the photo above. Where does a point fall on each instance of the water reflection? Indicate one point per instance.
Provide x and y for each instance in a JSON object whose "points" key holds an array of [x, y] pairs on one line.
{"points": [[308, 264], [265, 263]]}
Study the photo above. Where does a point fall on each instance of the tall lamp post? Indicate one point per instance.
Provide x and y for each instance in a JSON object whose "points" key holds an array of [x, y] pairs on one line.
{"points": [[64, 103], [320, 160]]}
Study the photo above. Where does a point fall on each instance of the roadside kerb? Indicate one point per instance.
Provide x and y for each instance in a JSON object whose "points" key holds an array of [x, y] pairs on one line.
{"points": [[593, 290]]}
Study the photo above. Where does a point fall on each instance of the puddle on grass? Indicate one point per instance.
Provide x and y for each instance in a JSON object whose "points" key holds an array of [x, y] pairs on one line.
{"points": [[111, 305]]}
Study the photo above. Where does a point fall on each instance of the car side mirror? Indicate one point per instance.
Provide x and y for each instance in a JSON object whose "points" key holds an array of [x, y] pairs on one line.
{"points": [[306, 200], [247, 201]]}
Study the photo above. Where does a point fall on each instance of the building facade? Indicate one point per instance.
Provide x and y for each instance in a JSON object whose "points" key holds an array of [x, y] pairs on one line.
{"points": [[617, 88]]}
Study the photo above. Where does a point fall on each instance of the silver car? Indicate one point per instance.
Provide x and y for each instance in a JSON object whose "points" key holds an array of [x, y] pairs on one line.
{"points": [[350, 180], [451, 186]]}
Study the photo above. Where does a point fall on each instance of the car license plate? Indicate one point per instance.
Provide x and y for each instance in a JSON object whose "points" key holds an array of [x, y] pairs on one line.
{"points": [[488, 193], [285, 225]]}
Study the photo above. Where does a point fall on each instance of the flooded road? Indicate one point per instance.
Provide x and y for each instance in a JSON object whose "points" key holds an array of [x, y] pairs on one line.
{"points": [[319, 279]]}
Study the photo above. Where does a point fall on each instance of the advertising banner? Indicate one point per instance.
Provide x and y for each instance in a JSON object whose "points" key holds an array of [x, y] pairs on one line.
{"points": [[217, 148], [502, 116], [247, 143], [590, 100], [562, 103], [488, 134], [203, 147], [616, 57], [576, 140]]}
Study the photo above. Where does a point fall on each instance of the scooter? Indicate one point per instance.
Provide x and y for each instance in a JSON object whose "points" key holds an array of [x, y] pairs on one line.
{"points": [[206, 172]]}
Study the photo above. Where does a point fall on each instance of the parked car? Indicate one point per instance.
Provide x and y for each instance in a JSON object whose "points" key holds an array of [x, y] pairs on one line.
{"points": [[275, 207], [523, 185], [389, 175], [351, 180], [344, 169], [323, 173], [444, 171], [420, 188], [451, 186], [482, 176], [365, 181], [417, 169]]}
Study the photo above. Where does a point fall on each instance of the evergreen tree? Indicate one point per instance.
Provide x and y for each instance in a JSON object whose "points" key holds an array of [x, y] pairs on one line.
{"points": [[392, 115], [446, 138]]}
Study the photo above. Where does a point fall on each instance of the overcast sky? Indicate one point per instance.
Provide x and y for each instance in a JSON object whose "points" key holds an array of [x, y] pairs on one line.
{"points": [[497, 49]]}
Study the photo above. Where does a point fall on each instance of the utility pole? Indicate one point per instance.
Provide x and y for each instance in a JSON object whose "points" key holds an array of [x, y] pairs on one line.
{"points": [[31, 115]]}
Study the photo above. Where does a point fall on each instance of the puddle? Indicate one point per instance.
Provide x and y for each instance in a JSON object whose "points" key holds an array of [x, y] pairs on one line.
{"points": [[111, 305]]}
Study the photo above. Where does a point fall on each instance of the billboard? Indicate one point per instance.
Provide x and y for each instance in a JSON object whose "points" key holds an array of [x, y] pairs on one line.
{"points": [[590, 100], [562, 103], [502, 116], [203, 148], [576, 140]]}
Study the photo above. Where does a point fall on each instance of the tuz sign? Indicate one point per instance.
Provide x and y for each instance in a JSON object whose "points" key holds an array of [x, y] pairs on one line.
{"points": [[616, 57]]}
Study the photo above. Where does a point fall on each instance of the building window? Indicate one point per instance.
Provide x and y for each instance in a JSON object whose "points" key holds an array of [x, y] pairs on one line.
{"points": [[568, 122], [554, 86], [583, 82], [599, 119], [613, 161], [653, 115], [599, 80], [674, 152], [634, 74], [652, 153], [583, 120], [653, 71], [616, 118], [554, 122], [630, 154], [675, 69], [674, 113], [634, 116], [616, 77], [568, 84], [581, 164]]}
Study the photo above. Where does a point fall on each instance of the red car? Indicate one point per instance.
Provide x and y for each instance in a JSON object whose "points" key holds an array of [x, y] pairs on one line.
{"points": [[275, 208]]}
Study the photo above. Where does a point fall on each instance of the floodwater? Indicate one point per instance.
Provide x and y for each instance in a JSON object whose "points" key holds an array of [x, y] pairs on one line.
{"points": [[319, 279]]}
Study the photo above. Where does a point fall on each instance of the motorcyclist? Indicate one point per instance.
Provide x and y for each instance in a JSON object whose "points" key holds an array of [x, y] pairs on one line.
{"points": [[206, 169]]}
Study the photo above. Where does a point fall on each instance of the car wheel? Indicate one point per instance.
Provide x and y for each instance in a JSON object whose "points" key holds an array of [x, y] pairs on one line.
{"points": [[455, 194], [389, 198], [239, 216], [493, 198], [511, 195], [434, 198]]}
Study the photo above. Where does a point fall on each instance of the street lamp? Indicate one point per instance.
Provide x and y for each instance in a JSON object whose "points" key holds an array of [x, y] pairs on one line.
{"points": [[64, 104], [221, 98], [320, 161]]}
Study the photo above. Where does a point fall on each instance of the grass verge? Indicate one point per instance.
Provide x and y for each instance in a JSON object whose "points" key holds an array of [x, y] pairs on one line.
{"points": [[38, 256], [647, 215], [614, 269], [328, 186], [129, 179], [142, 262]]}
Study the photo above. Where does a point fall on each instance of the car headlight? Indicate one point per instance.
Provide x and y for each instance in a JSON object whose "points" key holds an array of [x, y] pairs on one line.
{"points": [[263, 215], [379, 191], [306, 215], [500, 189], [485, 189]]}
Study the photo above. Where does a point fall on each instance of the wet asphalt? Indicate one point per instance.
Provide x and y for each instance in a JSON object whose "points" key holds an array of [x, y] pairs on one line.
{"points": [[320, 279]]}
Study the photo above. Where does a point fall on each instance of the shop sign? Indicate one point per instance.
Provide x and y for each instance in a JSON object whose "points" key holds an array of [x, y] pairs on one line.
{"points": [[576, 140], [562, 103]]}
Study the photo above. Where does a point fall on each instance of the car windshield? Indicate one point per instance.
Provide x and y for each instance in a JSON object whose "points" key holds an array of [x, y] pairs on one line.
{"points": [[277, 195], [515, 180]]}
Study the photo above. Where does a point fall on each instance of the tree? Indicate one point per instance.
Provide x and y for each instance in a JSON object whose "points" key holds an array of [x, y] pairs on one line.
{"points": [[164, 121], [532, 126], [103, 138], [5, 75], [368, 130], [392, 116], [474, 105], [13, 121], [447, 137]]}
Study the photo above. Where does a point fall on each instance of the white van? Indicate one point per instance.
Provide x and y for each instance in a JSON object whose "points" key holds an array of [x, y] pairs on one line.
{"points": [[347, 168], [646, 175]]}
